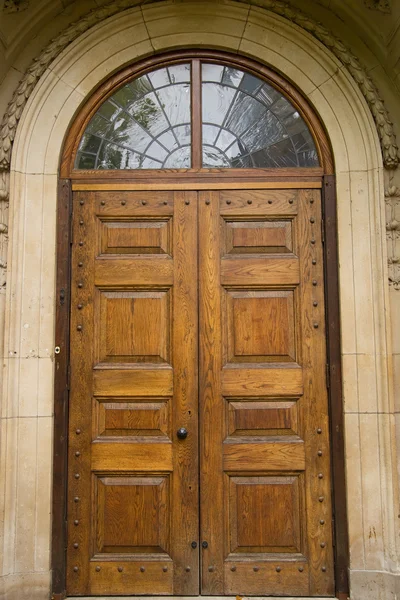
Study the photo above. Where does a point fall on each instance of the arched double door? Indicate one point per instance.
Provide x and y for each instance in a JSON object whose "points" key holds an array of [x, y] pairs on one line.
{"points": [[199, 457]]}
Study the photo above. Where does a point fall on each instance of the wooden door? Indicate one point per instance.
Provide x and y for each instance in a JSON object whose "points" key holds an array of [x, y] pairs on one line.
{"points": [[230, 283], [133, 485], [264, 431]]}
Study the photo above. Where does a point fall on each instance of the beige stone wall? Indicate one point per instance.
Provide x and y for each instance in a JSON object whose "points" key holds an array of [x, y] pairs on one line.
{"points": [[27, 407]]}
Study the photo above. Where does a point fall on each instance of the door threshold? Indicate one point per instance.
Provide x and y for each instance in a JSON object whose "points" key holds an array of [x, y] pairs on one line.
{"points": [[198, 597]]}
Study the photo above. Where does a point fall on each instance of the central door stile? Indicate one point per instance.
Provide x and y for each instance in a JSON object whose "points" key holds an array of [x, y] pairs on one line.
{"points": [[185, 487], [210, 404]]}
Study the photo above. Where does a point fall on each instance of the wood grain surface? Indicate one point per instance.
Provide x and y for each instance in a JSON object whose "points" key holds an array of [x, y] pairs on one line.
{"points": [[133, 485], [201, 310]]}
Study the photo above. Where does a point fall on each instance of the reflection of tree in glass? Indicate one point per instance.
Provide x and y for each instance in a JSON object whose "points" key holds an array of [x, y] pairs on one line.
{"points": [[132, 92], [86, 162], [247, 123], [112, 159], [146, 110], [231, 77]]}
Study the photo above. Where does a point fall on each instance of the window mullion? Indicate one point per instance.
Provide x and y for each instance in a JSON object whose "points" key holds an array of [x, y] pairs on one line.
{"points": [[196, 114]]}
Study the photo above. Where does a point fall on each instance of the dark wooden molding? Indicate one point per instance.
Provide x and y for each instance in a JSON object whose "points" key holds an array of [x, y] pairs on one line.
{"points": [[335, 387], [342, 595], [61, 385], [58, 596], [139, 175]]}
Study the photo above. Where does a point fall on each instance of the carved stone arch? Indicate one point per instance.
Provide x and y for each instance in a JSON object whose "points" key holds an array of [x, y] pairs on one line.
{"points": [[29, 352], [367, 87]]}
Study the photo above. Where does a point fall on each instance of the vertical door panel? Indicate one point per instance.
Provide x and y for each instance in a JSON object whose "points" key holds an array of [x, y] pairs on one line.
{"points": [[265, 479], [133, 486]]}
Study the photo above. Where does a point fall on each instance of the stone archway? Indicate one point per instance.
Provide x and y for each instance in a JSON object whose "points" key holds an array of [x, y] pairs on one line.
{"points": [[29, 348]]}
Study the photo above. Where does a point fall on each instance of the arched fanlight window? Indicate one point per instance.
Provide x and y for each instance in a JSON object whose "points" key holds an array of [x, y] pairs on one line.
{"points": [[153, 122]]}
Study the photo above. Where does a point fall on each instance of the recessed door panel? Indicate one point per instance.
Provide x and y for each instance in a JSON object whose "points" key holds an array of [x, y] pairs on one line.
{"points": [[259, 237], [262, 417], [117, 417], [136, 236], [252, 514], [131, 515], [260, 326], [133, 326]]}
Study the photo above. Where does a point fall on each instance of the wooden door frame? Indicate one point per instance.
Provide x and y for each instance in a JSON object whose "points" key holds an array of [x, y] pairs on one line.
{"points": [[197, 179]]}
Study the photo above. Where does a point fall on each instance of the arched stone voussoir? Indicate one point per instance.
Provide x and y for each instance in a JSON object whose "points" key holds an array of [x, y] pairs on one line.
{"points": [[136, 33]]}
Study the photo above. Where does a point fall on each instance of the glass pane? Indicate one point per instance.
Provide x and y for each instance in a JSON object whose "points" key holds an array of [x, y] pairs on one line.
{"points": [[232, 77], [129, 133], [156, 151], [182, 134], [108, 110], [249, 124], [133, 91], [250, 84], [225, 139], [168, 140], [159, 78], [90, 143], [267, 94], [266, 131], [144, 125], [149, 114], [180, 159], [98, 125], [243, 113], [212, 72], [246, 123], [216, 103], [85, 161], [210, 133], [212, 157], [179, 73], [175, 100]]}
